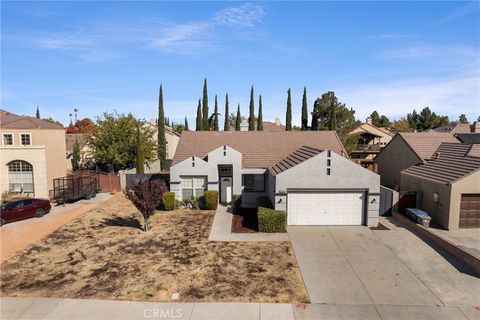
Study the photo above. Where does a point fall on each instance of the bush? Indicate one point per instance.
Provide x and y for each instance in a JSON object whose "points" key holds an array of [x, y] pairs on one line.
{"points": [[168, 201], [270, 220], [211, 199], [190, 203], [264, 202]]}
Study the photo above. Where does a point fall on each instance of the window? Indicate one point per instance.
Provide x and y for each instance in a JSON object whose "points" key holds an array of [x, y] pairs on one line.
{"points": [[226, 171], [328, 171], [329, 162], [193, 186], [25, 139], [329, 153], [254, 182], [20, 176], [8, 139]]}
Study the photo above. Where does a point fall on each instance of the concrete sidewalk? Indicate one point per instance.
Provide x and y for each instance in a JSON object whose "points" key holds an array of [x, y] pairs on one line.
{"points": [[66, 309]]}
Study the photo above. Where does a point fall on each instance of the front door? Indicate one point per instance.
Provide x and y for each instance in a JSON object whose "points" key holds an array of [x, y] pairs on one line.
{"points": [[225, 189]]}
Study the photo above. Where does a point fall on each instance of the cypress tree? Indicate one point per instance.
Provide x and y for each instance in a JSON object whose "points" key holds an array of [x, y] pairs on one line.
{"points": [[215, 115], [238, 121], [162, 143], [37, 114], [260, 115], [199, 123], [251, 117], [304, 110], [288, 122], [140, 157], [76, 156], [205, 105], [185, 125], [226, 126]]}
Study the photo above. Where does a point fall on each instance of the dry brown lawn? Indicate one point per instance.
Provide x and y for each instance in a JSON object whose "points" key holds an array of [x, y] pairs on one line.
{"points": [[104, 254]]}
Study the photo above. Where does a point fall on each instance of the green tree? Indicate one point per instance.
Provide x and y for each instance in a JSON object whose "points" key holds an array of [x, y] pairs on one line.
{"points": [[379, 121], [288, 116], [162, 142], [304, 110], [185, 125], [76, 156], [463, 119], [402, 125], [205, 105], [251, 117], [199, 126], [317, 109], [37, 114], [328, 113], [413, 120], [260, 114], [140, 158], [238, 120], [426, 120], [215, 115], [226, 125], [114, 140]]}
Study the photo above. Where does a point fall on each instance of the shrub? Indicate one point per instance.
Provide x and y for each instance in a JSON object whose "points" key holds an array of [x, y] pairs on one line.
{"points": [[264, 202], [190, 203], [169, 201], [211, 199], [270, 220]]}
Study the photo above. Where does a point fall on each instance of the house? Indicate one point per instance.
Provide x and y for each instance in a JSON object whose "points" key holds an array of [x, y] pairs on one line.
{"points": [[276, 126], [172, 138], [305, 173], [371, 140], [32, 154], [456, 128], [447, 186], [407, 149]]}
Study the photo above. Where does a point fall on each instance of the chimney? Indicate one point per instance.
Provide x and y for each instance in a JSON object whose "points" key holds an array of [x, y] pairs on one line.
{"points": [[244, 125], [476, 126], [369, 120], [277, 122]]}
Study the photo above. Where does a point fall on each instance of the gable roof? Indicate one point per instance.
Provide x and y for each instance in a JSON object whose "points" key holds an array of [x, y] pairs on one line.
{"points": [[424, 144], [9, 120], [272, 126], [468, 137], [260, 149], [455, 128], [372, 129], [298, 156], [450, 162]]}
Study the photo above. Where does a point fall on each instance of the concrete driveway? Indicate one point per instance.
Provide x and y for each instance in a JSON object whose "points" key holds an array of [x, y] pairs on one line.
{"points": [[359, 266]]}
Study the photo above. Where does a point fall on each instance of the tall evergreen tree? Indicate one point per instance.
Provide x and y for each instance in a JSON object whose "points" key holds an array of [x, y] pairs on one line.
{"points": [[260, 114], [463, 119], [226, 125], [162, 142], [185, 125], [215, 115], [315, 114], [304, 110], [288, 121], [199, 123], [37, 114], [238, 121], [76, 156], [205, 105], [140, 157], [251, 117]]}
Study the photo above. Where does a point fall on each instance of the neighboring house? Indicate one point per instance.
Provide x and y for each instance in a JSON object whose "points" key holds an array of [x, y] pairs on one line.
{"points": [[32, 154], [473, 138], [276, 126], [456, 128], [371, 140], [407, 149], [85, 151], [447, 186], [171, 137], [306, 173]]}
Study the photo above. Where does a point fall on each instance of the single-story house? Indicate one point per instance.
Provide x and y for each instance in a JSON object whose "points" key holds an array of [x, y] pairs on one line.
{"points": [[447, 186], [306, 173], [407, 149]]}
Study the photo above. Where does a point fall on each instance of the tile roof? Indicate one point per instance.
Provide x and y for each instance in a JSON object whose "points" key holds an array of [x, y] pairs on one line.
{"points": [[272, 127], [260, 149], [455, 128], [468, 137], [9, 120], [450, 162], [298, 156], [424, 144]]}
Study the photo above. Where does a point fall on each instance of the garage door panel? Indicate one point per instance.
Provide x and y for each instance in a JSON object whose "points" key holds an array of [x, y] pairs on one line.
{"points": [[470, 211]]}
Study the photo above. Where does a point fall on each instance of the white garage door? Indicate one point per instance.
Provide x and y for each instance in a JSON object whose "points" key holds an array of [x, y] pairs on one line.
{"points": [[325, 208]]}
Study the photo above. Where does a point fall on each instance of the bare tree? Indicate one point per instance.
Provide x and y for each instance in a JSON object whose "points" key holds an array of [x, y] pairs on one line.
{"points": [[146, 196]]}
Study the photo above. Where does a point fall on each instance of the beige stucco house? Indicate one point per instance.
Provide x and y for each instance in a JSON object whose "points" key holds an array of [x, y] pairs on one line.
{"points": [[32, 154]]}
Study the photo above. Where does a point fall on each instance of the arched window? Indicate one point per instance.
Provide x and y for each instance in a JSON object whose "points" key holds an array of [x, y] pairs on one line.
{"points": [[20, 176]]}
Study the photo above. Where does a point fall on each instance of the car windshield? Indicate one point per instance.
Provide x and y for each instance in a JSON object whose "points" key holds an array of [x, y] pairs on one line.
{"points": [[8, 204]]}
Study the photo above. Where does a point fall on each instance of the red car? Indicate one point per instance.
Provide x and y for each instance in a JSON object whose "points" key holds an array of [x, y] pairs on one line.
{"points": [[19, 209]]}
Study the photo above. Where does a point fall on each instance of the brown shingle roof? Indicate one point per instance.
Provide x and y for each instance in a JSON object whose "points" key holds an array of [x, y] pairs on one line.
{"points": [[424, 144], [9, 120], [272, 127], [455, 128], [449, 163], [259, 149], [298, 156]]}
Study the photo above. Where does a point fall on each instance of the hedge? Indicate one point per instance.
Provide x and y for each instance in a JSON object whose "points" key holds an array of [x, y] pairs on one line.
{"points": [[168, 200], [264, 202], [270, 220], [211, 199]]}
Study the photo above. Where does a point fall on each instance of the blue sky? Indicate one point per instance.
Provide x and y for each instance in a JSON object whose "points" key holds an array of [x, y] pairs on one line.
{"points": [[101, 56]]}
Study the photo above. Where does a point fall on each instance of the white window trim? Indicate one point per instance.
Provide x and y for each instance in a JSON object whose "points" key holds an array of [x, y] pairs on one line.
{"points": [[20, 137], [13, 139]]}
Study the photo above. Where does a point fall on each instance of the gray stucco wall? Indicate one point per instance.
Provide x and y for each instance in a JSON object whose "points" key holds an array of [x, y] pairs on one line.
{"points": [[344, 174], [468, 185], [192, 167], [394, 158]]}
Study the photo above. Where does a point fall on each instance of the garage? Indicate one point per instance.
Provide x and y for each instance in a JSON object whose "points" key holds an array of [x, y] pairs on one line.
{"points": [[470, 211], [325, 208]]}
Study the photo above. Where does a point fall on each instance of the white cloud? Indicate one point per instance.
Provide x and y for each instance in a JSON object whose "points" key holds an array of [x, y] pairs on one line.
{"points": [[246, 15]]}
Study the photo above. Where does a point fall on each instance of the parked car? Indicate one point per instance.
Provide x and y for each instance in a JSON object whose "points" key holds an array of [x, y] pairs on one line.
{"points": [[19, 209]]}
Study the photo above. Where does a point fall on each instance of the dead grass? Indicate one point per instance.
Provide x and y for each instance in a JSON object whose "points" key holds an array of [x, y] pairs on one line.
{"points": [[105, 255]]}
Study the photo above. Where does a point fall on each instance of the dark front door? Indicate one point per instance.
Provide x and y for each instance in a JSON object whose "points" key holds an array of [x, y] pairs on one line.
{"points": [[225, 189]]}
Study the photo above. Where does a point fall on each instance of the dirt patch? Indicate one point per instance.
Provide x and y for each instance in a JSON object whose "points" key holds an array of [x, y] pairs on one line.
{"points": [[245, 220], [105, 255]]}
